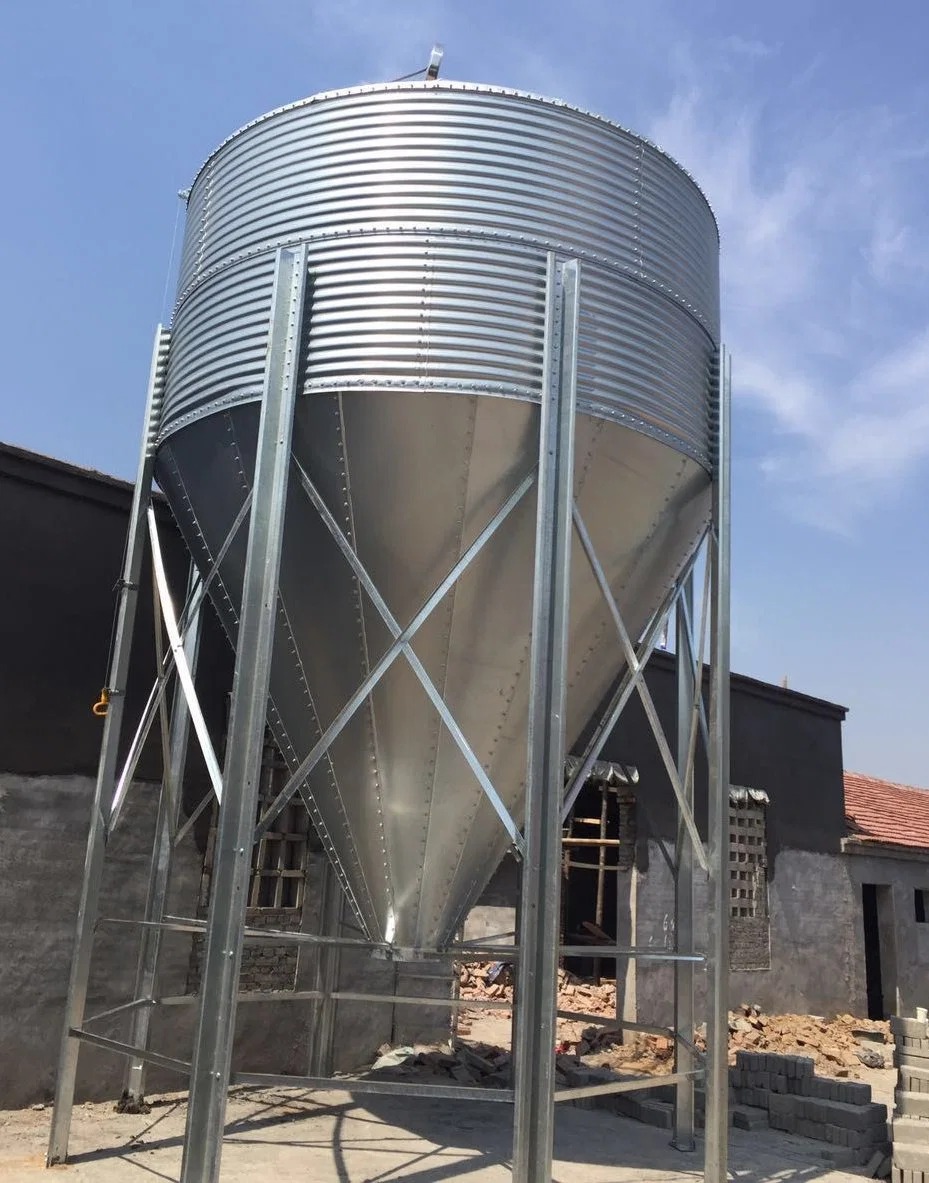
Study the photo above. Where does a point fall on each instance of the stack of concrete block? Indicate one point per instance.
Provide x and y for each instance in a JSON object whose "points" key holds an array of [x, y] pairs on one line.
{"points": [[910, 1129], [653, 1106], [858, 1127], [839, 1112]]}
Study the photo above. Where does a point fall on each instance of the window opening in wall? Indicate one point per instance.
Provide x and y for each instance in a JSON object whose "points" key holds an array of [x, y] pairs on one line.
{"points": [[920, 900], [276, 888], [749, 920], [279, 860]]}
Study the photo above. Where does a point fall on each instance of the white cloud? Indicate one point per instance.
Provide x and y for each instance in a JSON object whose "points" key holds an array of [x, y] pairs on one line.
{"points": [[748, 47], [825, 240], [822, 231]]}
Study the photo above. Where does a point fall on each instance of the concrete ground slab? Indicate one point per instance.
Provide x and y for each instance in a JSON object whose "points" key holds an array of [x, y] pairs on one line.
{"points": [[286, 1135]]}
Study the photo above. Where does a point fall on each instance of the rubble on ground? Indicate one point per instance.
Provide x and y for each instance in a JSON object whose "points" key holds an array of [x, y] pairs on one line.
{"points": [[837, 1046], [833, 1045], [453, 1063], [494, 983]]}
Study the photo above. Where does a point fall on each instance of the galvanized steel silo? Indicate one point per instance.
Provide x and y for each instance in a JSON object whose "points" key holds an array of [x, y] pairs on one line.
{"points": [[429, 210]]}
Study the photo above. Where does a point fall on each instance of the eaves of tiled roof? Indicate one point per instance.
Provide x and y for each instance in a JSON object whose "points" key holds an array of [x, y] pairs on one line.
{"points": [[882, 812]]}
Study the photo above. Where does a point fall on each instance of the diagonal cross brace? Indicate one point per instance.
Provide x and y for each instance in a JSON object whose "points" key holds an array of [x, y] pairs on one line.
{"points": [[698, 661], [644, 692], [166, 666], [338, 724], [623, 693], [169, 787], [699, 714], [417, 666], [185, 677]]}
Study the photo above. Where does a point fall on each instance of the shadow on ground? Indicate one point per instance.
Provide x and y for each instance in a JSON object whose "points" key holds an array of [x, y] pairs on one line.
{"points": [[422, 1140]]}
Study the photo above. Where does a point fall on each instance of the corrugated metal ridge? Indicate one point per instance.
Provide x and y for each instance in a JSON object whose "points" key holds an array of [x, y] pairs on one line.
{"points": [[605, 770], [739, 795], [456, 87], [526, 242]]}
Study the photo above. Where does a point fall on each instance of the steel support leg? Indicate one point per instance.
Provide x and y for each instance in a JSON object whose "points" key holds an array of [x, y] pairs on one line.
{"points": [[684, 888], [534, 1061], [326, 977], [514, 965], [717, 1049], [219, 982], [106, 770], [160, 875]]}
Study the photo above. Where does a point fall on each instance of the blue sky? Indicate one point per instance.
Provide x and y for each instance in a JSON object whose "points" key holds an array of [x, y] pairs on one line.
{"points": [[807, 124]]}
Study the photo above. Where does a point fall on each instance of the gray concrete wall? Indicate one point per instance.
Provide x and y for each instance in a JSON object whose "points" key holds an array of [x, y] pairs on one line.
{"points": [[817, 940], [495, 911], [904, 943], [43, 829]]}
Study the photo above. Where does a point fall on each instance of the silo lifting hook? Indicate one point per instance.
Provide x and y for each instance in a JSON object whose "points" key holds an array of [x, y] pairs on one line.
{"points": [[102, 705]]}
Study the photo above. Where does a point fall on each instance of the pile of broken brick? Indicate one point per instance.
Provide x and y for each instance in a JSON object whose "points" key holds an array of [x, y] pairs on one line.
{"points": [[479, 1065], [468, 1064], [480, 982], [834, 1045]]}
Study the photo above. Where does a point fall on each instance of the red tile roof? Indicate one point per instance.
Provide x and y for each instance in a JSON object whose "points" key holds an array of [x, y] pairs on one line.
{"points": [[881, 811]]}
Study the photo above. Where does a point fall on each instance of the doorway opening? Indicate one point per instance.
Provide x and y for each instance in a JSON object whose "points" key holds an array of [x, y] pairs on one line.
{"points": [[598, 846], [880, 949], [872, 952]]}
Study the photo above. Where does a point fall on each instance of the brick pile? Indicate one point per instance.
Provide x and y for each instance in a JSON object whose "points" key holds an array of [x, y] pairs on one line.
{"points": [[799, 1102], [832, 1047], [480, 1065], [911, 1102], [468, 1065], [833, 1044], [478, 984]]}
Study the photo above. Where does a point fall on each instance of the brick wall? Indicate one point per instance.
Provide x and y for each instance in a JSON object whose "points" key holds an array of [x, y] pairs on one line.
{"points": [[749, 942], [628, 832], [266, 965]]}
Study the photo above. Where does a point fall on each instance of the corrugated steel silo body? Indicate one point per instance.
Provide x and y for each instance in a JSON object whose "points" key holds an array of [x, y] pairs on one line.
{"points": [[429, 210]]}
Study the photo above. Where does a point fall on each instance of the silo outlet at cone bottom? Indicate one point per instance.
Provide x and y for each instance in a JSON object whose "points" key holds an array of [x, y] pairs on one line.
{"points": [[428, 211]]}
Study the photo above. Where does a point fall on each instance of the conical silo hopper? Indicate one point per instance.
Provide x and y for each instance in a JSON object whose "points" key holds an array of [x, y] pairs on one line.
{"points": [[428, 211]]}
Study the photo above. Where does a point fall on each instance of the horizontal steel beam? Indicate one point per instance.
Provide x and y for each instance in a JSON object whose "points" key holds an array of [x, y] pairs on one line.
{"points": [[384, 1087], [182, 924], [491, 936], [634, 1084], [406, 1000], [641, 953], [118, 1010], [126, 1049], [614, 1023], [344, 996], [571, 865]]}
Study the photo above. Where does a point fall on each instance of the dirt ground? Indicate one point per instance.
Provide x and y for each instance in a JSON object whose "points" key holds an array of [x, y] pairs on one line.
{"points": [[286, 1135], [289, 1136]]}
